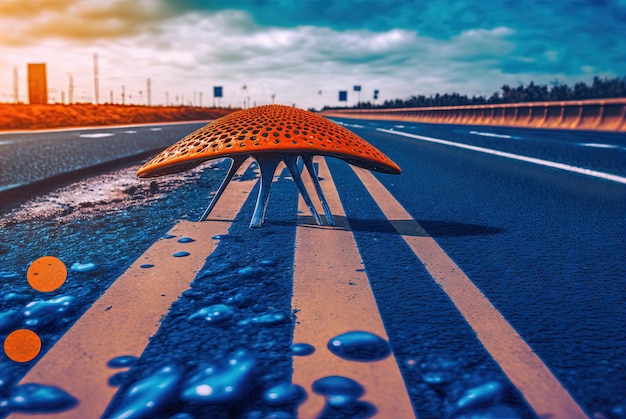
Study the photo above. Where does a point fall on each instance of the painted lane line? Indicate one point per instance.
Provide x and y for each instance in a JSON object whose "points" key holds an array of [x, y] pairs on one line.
{"points": [[124, 318], [541, 389], [103, 127], [332, 295], [491, 134], [97, 135], [601, 145], [541, 162]]}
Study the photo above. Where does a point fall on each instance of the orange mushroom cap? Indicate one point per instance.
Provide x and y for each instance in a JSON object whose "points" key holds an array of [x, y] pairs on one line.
{"points": [[268, 129]]}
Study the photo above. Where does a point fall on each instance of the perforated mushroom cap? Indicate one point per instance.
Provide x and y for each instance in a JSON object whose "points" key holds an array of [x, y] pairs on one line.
{"points": [[268, 129], [270, 134]]}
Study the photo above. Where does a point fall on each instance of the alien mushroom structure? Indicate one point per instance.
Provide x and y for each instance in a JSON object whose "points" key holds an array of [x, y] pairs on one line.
{"points": [[270, 134]]}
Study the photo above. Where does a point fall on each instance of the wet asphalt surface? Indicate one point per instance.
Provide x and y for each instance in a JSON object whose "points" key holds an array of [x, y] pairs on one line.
{"points": [[546, 247]]}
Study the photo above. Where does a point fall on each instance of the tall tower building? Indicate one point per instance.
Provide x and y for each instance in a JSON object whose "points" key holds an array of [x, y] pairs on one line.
{"points": [[37, 84]]}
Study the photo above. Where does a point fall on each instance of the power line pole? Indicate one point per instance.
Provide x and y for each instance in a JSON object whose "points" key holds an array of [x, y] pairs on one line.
{"points": [[200, 94], [149, 91], [70, 90], [16, 89], [95, 78]]}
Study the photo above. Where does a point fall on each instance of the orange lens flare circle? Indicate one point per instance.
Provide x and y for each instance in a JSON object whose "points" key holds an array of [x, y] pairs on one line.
{"points": [[46, 274], [22, 345]]}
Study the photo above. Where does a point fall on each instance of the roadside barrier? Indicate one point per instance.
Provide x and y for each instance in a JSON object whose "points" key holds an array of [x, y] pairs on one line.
{"points": [[595, 115]]}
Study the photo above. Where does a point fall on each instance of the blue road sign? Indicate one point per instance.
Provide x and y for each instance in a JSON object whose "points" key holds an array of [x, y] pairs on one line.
{"points": [[357, 88], [217, 91], [343, 96]]}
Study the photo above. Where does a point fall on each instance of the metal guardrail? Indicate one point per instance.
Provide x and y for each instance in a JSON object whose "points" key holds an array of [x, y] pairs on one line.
{"points": [[596, 114]]}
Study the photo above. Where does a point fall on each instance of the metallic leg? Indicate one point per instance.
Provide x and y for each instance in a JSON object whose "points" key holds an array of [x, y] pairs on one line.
{"points": [[308, 162], [237, 162], [267, 167], [292, 164]]}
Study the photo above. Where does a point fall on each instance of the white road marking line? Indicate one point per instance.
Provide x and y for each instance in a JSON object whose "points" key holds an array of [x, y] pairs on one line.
{"points": [[97, 135], [332, 294], [101, 127], [541, 389], [129, 312], [491, 134], [599, 145], [541, 162]]}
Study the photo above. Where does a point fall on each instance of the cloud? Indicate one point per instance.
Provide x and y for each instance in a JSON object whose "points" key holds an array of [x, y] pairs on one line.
{"points": [[31, 21], [28, 8], [295, 49]]}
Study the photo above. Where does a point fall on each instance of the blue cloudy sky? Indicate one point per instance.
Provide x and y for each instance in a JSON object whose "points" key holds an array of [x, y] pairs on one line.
{"points": [[305, 51]]}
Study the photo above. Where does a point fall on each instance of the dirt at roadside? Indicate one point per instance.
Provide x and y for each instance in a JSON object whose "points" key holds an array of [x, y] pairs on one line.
{"points": [[21, 116]]}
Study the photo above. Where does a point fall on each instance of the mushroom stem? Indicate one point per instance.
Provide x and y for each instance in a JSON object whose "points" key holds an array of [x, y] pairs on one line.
{"points": [[267, 167], [291, 161], [235, 165], [308, 162]]}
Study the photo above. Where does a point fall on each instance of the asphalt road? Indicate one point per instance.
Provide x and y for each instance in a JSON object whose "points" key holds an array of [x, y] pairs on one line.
{"points": [[534, 218], [29, 157]]}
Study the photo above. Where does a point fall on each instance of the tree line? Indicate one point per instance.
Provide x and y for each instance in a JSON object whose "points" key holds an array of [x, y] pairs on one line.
{"points": [[598, 89]]}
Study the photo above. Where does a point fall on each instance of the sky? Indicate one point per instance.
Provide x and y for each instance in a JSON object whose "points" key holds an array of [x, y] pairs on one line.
{"points": [[303, 52]]}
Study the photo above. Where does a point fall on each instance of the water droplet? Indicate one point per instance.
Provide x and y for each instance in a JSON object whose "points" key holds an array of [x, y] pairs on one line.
{"points": [[410, 362], [34, 397], [339, 391], [437, 370], [229, 383], [302, 349], [118, 379], [214, 314], [194, 295], [180, 254], [278, 415], [181, 416], [146, 266], [284, 393], [479, 396], [270, 318], [168, 236], [219, 236], [9, 320], [256, 414], [359, 346], [618, 411], [15, 297], [241, 299], [122, 361], [494, 412], [149, 395], [214, 269], [83, 267], [251, 272], [9, 275], [185, 240], [42, 312]]}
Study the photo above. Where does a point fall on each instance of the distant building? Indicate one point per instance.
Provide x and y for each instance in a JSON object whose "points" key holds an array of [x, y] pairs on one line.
{"points": [[37, 84]]}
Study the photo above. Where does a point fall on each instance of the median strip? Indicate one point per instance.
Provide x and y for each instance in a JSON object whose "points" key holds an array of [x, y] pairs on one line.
{"points": [[541, 389], [124, 318]]}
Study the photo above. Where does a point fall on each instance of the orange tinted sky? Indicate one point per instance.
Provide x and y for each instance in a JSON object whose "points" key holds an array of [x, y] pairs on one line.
{"points": [[297, 49]]}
